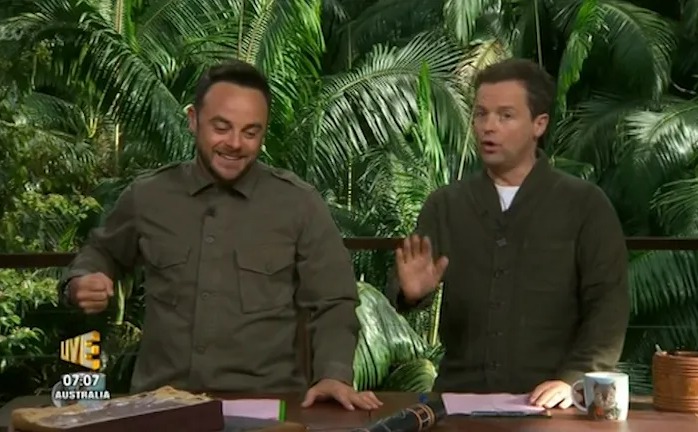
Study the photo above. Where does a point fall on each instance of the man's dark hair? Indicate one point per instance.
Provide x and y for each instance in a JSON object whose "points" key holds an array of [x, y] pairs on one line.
{"points": [[234, 72], [540, 86]]}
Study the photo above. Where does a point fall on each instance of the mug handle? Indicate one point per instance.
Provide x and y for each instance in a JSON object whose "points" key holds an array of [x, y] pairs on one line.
{"points": [[575, 389]]}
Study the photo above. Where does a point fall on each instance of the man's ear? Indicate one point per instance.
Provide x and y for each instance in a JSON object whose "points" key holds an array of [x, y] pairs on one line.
{"points": [[540, 125], [191, 116]]}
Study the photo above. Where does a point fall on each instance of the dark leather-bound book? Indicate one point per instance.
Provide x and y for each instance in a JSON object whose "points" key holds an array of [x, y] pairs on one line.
{"points": [[415, 418]]}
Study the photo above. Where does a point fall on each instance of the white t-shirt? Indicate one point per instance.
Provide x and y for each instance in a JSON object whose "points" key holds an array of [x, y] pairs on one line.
{"points": [[506, 195]]}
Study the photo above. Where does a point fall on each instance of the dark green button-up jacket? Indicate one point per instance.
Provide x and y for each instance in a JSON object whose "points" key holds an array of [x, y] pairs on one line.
{"points": [[535, 293], [226, 270]]}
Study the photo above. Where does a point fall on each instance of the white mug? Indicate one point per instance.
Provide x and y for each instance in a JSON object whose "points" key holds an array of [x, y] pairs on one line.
{"points": [[606, 395]]}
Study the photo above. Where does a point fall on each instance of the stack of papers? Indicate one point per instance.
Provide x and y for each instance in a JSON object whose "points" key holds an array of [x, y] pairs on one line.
{"points": [[266, 409], [473, 404]]}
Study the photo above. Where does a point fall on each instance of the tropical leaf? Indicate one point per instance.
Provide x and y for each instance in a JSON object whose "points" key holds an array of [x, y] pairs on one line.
{"points": [[130, 90], [661, 280], [119, 350], [639, 39], [664, 139], [461, 17], [405, 171], [379, 22], [676, 206], [656, 147], [372, 103], [386, 339], [689, 17], [575, 168], [590, 134], [587, 25], [414, 376], [425, 322], [670, 329]]}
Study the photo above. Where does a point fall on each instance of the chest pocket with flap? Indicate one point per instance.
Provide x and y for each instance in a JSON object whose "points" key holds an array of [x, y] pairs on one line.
{"points": [[265, 278], [165, 265]]}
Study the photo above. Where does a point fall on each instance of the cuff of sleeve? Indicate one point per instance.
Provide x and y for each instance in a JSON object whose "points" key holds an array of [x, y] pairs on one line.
{"points": [[570, 376], [335, 371], [63, 295], [401, 304], [404, 306]]}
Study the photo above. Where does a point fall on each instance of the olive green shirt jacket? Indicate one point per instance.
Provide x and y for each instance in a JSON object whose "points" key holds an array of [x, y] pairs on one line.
{"points": [[538, 292], [226, 270]]}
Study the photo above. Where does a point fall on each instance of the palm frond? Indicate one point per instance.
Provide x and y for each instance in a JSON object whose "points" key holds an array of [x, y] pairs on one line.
{"points": [[587, 26], [639, 39], [689, 17], [661, 145], [85, 48], [660, 280], [675, 205], [669, 136], [392, 22], [461, 17], [364, 107], [589, 134], [671, 329], [161, 31], [575, 168], [386, 339]]}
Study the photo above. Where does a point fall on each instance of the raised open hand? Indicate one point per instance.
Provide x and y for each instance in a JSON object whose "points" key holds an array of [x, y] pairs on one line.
{"points": [[417, 270]]}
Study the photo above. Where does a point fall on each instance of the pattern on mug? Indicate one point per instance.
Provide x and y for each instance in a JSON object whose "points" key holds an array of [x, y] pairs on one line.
{"points": [[604, 405]]}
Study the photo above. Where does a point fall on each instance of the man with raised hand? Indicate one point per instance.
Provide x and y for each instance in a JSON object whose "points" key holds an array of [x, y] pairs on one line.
{"points": [[533, 261], [231, 248]]}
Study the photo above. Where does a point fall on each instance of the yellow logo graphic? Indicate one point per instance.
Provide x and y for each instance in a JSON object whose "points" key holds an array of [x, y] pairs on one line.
{"points": [[82, 350]]}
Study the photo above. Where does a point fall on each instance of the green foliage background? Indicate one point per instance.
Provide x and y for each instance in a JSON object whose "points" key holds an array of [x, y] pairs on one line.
{"points": [[372, 104]]}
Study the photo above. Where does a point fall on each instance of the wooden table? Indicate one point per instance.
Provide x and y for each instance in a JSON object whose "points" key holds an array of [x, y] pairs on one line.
{"points": [[329, 416], [642, 418]]}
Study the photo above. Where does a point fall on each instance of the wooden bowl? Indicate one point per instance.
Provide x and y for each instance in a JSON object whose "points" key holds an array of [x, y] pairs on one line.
{"points": [[675, 381]]}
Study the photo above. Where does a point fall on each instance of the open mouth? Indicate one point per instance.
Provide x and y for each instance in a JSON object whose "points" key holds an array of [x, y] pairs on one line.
{"points": [[229, 157], [489, 146]]}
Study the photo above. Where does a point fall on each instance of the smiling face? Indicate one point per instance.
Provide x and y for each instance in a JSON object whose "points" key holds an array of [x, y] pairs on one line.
{"points": [[229, 128], [506, 131]]}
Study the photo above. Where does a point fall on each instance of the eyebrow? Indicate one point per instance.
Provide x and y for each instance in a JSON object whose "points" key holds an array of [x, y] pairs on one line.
{"points": [[500, 108], [219, 119]]}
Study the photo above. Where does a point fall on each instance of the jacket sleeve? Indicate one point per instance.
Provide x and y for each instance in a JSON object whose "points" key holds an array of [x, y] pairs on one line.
{"points": [[111, 248], [328, 291], [427, 225], [603, 290]]}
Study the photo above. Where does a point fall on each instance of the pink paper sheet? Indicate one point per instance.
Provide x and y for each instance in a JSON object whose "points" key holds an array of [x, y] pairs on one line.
{"points": [[459, 403], [253, 408]]}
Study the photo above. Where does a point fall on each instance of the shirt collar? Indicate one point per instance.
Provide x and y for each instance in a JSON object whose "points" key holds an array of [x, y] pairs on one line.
{"points": [[200, 178], [540, 168]]}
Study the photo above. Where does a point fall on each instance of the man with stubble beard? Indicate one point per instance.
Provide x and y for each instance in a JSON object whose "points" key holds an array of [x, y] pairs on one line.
{"points": [[231, 248], [533, 261]]}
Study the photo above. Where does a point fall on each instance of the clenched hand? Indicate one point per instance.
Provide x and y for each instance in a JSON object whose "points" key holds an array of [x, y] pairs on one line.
{"points": [[91, 292]]}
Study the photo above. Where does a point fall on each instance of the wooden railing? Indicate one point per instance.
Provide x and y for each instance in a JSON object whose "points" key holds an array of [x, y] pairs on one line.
{"points": [[57, 259]]}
